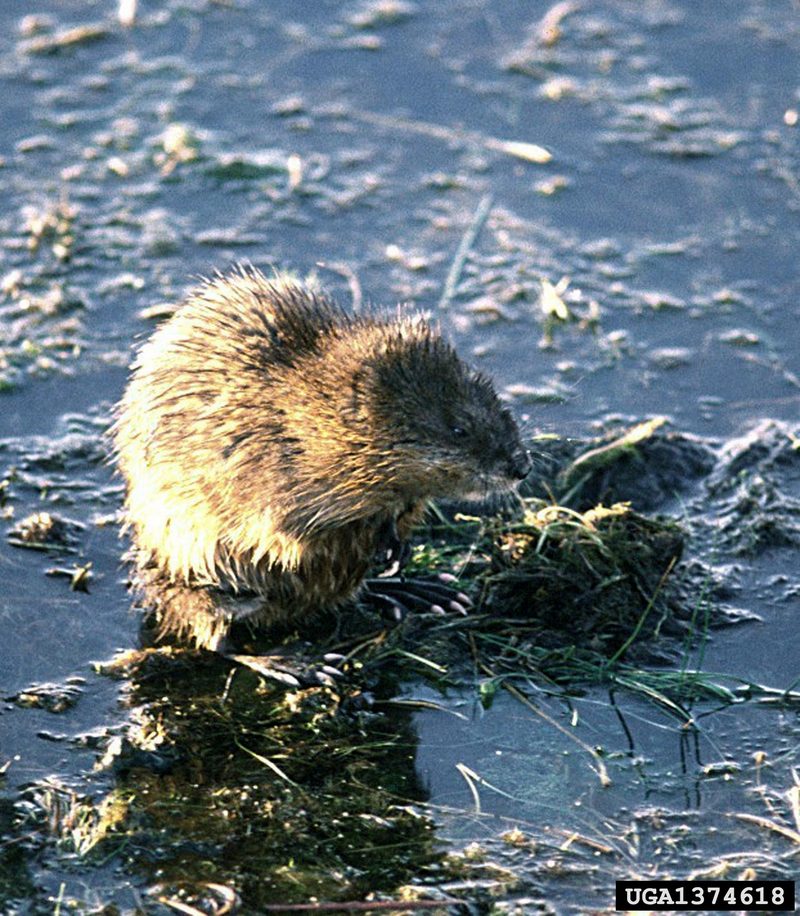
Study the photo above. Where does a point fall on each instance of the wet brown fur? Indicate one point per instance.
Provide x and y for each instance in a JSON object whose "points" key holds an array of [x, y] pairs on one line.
{"points": [[267, 438]]}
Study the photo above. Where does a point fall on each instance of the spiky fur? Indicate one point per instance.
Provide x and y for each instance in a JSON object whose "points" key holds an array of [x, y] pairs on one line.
{"points": [[266, 437]]}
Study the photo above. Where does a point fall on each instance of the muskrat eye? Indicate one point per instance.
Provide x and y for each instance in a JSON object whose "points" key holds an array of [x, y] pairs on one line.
{"points": [[458, 432]]}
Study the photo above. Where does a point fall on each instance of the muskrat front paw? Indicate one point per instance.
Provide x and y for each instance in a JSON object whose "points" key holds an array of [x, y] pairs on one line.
{"points": [[392, 552]]}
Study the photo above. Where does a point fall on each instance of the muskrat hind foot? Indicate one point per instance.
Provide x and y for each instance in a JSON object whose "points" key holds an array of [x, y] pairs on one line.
{"points": [[398, 595], [293, 672]]}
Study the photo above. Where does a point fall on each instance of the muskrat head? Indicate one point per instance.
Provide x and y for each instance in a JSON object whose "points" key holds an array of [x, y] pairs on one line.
{"points": [[446, 430]]}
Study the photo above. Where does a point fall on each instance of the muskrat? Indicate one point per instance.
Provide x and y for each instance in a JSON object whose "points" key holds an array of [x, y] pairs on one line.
{"points": [[269, 440]]}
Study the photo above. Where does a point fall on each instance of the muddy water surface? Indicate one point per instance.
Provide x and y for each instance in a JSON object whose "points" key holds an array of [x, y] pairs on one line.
{"points": [[366, 141]]}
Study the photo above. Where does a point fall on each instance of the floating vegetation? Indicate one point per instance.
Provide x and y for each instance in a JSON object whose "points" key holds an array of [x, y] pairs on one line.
{"points": [[41, 321], [459, 137], [126, 13], [51, 225], [44, 531], [544, 34], [78, 824], [467, 242], [682, 127], [609, 453], [179, 144], [642, 464], [63, 39], [375, 13], [79, 576], [245, 166], [55, 698]]}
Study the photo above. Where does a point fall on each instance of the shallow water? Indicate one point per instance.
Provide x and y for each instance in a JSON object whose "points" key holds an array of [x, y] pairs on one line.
{"points": [[667, 124]]}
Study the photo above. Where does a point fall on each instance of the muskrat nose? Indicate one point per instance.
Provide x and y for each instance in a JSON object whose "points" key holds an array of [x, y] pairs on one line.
{"points": [[520, 464]]}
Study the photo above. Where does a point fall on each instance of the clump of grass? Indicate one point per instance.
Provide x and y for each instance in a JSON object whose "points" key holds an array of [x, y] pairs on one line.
{"points": [[599, 576]]}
